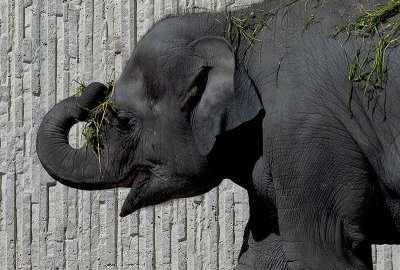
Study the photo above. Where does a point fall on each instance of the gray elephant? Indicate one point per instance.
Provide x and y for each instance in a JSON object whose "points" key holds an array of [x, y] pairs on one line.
{"points": [[200, 101]]}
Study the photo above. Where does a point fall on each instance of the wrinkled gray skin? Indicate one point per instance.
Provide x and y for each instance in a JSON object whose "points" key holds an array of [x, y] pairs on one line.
{"points": [[323, 183]]}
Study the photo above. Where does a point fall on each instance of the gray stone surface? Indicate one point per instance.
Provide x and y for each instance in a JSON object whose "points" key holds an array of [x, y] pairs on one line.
{"points": [[45, 46]]}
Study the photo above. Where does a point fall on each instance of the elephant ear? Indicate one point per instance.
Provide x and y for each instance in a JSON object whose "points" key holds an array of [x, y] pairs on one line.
{"points": [[223, 94]]}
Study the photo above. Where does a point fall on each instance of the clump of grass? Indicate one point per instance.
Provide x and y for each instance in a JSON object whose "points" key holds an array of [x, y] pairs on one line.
{"points": [[373, 33], [96, 118], [245, 27], [81, 87], [371, 22], [241, 28]]}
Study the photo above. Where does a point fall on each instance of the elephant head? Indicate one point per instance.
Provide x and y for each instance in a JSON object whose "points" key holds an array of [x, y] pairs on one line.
{"points": [[182, 91]]}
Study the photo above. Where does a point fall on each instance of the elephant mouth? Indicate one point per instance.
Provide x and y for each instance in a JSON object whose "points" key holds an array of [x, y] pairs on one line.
{"points": [[130, 179], [137, 178]]}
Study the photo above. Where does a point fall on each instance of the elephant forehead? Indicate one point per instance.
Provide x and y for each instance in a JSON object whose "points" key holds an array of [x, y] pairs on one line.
{"points": [[130, 93]]}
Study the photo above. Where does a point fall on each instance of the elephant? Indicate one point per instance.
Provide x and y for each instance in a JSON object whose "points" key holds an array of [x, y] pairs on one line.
{"points": [[200, 101]]}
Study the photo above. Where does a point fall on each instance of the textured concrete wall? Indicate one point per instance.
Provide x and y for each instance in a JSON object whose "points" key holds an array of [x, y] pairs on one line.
{"points": [[44, 46]]}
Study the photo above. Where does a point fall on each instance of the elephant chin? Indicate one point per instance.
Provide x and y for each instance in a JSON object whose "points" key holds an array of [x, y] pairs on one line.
{"points": [[137, 181]]}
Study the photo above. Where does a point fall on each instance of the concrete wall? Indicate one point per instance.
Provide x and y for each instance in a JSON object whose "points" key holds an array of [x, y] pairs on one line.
{"points": [[44, 46]]}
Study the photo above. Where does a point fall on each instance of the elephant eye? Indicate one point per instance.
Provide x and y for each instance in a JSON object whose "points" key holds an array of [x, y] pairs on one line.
{"points": [[126, 120]]}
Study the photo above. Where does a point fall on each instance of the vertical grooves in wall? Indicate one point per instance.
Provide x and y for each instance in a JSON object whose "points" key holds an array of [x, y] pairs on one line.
{"points": [[384, 258], [134, 31], [88, 41], [26, 231], [10, 217], [33, 32], [63, 10], [99, 40], [134, 241], [19, 129], [4, 101], [66, 79], [28, 175], [3, 246], [102, 243], [111, 255], [85, 239], [43, 103], [213, 228], [395, 257], [114, 233], [37, 112], [241, 216], [10, 199], [52, 56]]}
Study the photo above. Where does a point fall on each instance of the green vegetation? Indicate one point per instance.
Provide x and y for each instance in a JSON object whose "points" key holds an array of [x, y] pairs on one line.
{"points": [[245, 27], [373, 33], [81, 87], [96, 118], [239, 28]]}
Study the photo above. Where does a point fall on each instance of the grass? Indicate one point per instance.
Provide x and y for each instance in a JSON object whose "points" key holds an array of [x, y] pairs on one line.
{"points": [[374, 33], [96, 118], [370, 22], [81, 87], [239, 29], [245, 27]]}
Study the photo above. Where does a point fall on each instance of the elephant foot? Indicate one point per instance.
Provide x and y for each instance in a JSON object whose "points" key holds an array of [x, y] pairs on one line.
{"points": [[262, 254]]}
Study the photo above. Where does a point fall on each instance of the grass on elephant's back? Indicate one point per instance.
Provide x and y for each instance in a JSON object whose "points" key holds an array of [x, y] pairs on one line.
{"points": [[246, 25], [374, 33], [96, 118]]}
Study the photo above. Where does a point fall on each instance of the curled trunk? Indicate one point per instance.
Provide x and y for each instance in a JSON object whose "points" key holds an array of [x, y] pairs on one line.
{"points": [[78, 168]]}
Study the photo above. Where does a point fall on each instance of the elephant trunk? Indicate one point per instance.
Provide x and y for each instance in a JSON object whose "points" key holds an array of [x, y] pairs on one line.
{"points": [[78, 168]]}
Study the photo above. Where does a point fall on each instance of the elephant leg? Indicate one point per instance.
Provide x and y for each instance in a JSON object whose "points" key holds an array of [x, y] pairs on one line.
{"points": [[262, 244], [265, 254], [327, 206]]}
